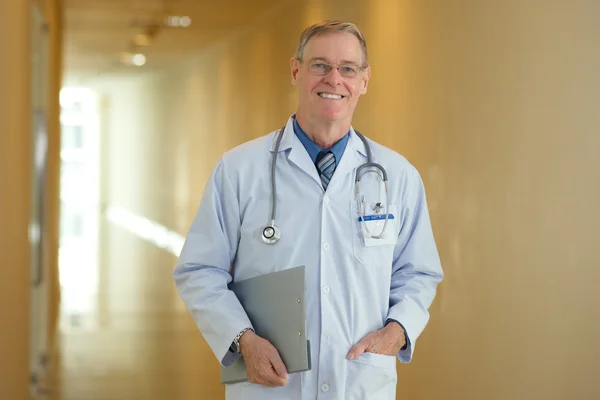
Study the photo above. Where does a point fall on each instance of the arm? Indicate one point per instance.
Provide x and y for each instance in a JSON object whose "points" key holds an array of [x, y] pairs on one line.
{"points": [[417, 270], [202, 271]]}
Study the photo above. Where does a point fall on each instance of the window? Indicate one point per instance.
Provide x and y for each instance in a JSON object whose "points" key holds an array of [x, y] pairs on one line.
{"points": [[72, 137], [71, 222]]}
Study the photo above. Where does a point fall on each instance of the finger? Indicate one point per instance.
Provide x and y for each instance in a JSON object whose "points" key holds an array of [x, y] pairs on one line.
{"points": [[272, 379], [358, 349], [279, 380], [267, 375], [279, 369], [279, 366]]}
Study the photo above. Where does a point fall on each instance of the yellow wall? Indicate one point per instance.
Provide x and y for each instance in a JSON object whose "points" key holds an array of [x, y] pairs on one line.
{"points": [[53, 9], [27, 314], [15, 192], [496, 103]]}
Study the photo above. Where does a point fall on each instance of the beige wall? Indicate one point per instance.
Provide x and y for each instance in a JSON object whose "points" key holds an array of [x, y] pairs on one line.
{"points": [[15, 192], [495, 102], [27, 315], [54, 19]]}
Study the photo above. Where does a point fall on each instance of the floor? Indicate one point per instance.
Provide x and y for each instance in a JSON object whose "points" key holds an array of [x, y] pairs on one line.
{"points": [[129, 337]]}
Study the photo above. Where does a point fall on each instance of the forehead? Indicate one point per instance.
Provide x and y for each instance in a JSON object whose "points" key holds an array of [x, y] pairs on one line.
{"points": [[335, 47]]}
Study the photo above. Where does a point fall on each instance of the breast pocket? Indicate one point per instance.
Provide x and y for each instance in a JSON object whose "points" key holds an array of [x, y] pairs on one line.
{"points": [[369, 223]]}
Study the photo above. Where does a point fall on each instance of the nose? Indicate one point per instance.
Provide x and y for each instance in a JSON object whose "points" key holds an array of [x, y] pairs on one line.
{"points": [[333, 77]]}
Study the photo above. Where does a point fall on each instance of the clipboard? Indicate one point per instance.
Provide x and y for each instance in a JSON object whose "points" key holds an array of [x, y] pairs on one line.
{"points": [[275, 304]]}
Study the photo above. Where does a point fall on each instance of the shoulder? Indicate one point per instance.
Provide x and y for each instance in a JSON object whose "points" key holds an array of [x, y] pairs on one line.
{"points": [[246, 156]]}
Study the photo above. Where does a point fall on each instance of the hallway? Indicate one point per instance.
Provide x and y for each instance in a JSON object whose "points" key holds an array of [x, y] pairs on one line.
{"points": [[136, 341], [494, 103]]}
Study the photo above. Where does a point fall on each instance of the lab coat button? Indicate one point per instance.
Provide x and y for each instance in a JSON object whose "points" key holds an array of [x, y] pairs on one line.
{"points": [[326, 199], [325, 246], [325, 387], [325, 289]]}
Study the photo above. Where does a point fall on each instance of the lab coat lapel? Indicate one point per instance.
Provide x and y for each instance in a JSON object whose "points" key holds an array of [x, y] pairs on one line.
{"points": [[298, 154]]}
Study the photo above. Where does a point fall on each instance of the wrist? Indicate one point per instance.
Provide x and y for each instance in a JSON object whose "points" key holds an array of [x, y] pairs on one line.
{"points": [[397, 330], [236, 344], [245, 338]]}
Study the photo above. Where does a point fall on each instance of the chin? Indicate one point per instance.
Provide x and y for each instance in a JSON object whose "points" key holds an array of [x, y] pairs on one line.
{"points": [[332, 114]]}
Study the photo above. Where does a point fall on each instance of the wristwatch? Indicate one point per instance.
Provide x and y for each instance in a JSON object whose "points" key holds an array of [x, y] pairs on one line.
{"points": [[235, 346]]}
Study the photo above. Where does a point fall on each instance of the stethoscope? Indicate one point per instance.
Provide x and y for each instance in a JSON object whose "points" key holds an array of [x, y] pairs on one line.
{"points": [[271, 233]]}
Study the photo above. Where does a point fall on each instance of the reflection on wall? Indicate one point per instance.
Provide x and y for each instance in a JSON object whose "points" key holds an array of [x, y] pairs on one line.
{"points": [[151, 231]]}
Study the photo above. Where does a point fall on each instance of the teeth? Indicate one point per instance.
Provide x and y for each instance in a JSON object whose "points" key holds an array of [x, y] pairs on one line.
{"points": [[330, 96]]}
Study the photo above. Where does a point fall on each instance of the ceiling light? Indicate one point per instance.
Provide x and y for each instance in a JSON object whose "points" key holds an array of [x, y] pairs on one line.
{"points": [[139, 60], [178, 21], [133, 59], [185, 22], [172, 21]]}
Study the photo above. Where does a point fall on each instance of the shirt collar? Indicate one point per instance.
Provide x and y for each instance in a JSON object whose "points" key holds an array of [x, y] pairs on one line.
{"points": [[314, 150]]}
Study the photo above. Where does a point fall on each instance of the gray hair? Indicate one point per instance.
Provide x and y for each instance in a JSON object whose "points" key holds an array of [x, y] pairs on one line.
{"points": [[329, 27]]}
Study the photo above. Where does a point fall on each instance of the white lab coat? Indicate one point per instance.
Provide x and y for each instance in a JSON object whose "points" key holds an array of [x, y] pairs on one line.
{"points": [[352, 289]]}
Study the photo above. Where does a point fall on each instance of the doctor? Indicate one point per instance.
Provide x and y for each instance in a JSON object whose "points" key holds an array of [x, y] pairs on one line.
{"points": [[368, 288]]}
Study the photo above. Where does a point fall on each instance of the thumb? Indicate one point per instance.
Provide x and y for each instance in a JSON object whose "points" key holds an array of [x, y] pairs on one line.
{"points": [[358, 349]]}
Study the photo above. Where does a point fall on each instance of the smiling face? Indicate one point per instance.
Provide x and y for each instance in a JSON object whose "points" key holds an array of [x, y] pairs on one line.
{"points": [[328, 94]]}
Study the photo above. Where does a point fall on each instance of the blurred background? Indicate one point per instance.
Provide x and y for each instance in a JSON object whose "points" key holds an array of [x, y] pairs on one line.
{"points": [[114, 112]]}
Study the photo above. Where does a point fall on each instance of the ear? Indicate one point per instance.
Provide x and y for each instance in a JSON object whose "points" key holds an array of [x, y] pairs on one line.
{"points": [[295, 66], [364, 83]]}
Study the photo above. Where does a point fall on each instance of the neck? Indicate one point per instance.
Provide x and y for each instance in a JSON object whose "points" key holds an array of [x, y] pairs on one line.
{"points": [[324, 133]]}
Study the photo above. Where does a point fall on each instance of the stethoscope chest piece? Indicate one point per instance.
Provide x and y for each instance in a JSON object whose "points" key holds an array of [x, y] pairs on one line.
{"points": [[271, 234]]}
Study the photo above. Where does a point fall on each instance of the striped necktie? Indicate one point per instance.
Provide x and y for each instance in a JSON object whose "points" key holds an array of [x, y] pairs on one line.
{"points": [[325, 166]]}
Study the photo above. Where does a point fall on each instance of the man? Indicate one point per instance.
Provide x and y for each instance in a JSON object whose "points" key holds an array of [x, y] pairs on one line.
{"points": [[367, 299]]}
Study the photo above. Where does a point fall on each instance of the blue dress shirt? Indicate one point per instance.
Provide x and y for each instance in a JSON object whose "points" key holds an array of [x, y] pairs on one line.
{"points": [[314, 150]]}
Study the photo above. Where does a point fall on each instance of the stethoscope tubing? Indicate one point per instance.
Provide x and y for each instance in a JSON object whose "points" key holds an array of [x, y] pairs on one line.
{"points": [[271, 233]]}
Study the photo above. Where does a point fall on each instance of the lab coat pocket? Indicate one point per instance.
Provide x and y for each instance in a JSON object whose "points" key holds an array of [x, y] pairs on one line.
{"points": [[371, 376], [377, 360], [374, 251]]}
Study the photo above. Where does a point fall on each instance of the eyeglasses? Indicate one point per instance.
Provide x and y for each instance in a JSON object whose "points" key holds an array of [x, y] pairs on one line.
{"points": [[321, 68]]}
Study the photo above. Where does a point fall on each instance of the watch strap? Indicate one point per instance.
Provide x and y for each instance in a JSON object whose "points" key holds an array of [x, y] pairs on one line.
{"points": [[236, 341]]}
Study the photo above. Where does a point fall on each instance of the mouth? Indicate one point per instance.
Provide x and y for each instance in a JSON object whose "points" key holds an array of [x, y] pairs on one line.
{"points": [[332, 96]]}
